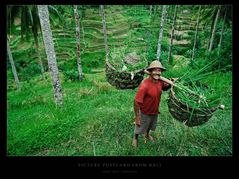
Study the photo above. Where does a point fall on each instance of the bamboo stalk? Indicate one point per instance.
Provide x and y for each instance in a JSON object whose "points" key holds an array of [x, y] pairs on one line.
{"points": [[196, 95], [166, 80]]}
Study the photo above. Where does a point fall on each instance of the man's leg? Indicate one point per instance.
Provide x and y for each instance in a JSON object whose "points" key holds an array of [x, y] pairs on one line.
{"points": [[152, 126], [135, 140], [148, 136]]}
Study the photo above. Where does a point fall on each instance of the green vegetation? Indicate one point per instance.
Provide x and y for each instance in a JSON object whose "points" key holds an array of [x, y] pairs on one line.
{"points": [[96, 119], [191, 91], [95, 113], [126, 61], [196, 95]]}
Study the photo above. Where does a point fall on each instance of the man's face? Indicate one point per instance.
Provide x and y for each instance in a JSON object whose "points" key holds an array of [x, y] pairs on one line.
{"points": [[155, 73]]}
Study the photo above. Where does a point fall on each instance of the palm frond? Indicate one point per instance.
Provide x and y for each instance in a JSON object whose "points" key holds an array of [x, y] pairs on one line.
{"points": [[55, 14]]}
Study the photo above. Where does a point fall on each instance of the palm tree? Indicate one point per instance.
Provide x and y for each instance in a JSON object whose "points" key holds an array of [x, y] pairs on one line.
{"points": [[29, 18], [214, 28], [196, 33], [34, 20], [169, 13], [104, 31], [161, 32], [222, 31], [78, 42], [50, 51], [150, 9], [172, 33], [209, 14], [14, 71], [155, 9]]}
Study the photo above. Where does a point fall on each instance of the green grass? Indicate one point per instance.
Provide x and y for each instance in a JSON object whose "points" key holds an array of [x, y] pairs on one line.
{"points": [[96, 119]]}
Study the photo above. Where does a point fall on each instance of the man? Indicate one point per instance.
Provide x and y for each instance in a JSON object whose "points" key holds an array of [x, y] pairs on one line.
{"points": [[147, 100]]}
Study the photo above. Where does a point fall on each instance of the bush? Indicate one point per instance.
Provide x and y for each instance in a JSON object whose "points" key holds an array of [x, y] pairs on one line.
{"points": [[190, 33], [29, 71], [177, 37], [150, 54], [179, 50], [222, 57], [164, 57], [93, 60], [188, 53], [71, 75]]}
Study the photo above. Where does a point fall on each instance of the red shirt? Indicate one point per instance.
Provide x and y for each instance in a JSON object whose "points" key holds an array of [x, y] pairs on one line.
{"points": [[149, 94]]}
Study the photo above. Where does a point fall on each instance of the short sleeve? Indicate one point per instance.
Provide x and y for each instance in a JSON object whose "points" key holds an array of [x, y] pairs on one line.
{"points": [[141, 93]]}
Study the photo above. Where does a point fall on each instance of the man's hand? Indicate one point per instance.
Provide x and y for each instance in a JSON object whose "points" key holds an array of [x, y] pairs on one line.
{"points": [[173, 79], [137, 121]]}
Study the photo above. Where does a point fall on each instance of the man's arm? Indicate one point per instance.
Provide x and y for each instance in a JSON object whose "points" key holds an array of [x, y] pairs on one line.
{"points": [[167, 86], [136, 111], [139, 98]]}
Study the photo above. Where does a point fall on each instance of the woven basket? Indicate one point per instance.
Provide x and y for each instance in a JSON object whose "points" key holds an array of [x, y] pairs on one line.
{"points": [[182, 111], [123, 80]]}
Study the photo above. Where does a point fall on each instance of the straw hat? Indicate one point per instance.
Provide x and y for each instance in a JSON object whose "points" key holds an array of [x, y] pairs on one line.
{"points": [[156, 64]]}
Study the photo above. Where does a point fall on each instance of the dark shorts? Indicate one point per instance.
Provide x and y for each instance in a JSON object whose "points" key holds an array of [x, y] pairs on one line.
{"points": [[146, 122]]}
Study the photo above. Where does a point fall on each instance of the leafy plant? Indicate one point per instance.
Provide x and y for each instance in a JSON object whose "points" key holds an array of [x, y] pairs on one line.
{"points": [[71, 75]]}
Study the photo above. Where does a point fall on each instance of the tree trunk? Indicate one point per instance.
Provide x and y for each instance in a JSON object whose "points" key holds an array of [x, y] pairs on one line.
{"points": [[150, 10], [161, 32], [169, 13], [214, 29], [104, 31], [14, 71], [213, 20], [155, 9], [196, 33], [22, 24], [10, 20], [172, 33], [78, 42], [39, 56], [224, 20], [50, 52], [40, 63], [208, 44], [35, 35]]}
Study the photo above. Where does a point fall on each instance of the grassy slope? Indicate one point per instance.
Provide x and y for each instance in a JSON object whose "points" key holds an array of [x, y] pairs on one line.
{"points": [[97, 120]]}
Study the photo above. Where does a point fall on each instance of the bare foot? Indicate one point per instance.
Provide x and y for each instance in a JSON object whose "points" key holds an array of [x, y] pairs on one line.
{"points": [[150, 138]]}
